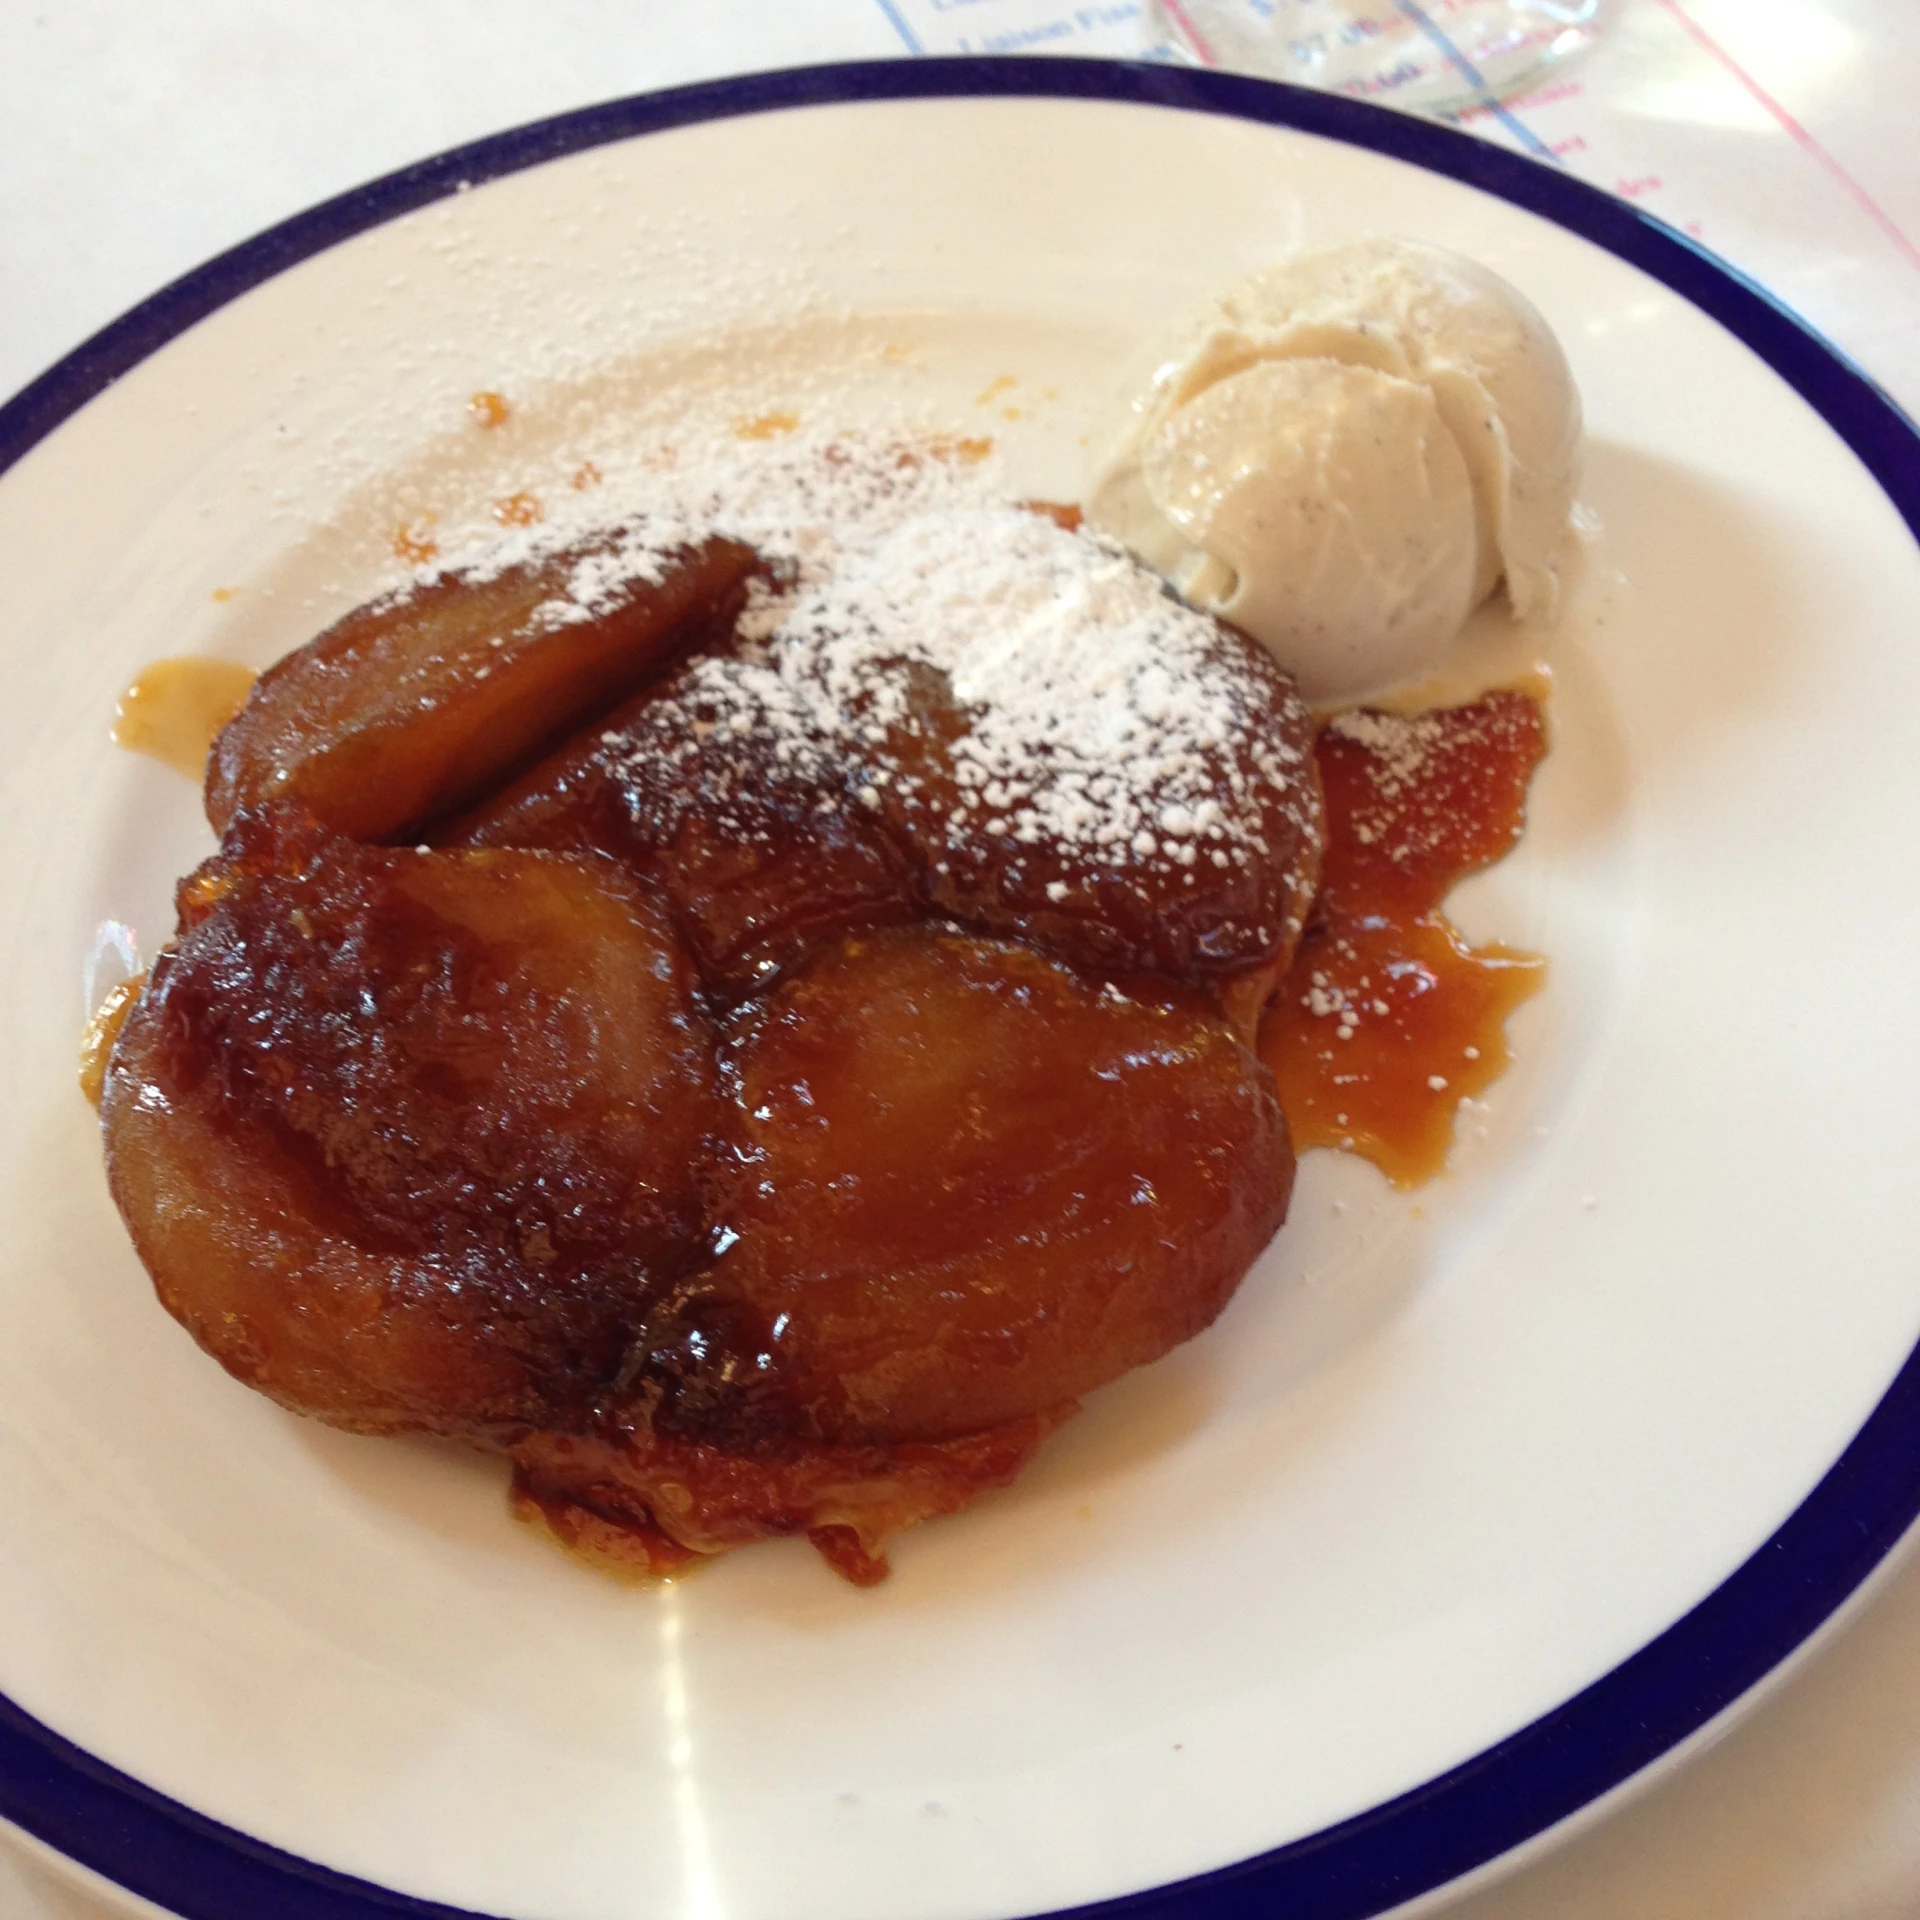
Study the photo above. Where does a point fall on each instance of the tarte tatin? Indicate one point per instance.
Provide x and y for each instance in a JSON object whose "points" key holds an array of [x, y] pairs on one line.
{"points": [[753, 1045]]}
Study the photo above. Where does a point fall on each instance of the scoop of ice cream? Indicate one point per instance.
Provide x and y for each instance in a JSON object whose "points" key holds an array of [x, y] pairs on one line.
{"points": [[1357, 545], [1355, 449]]}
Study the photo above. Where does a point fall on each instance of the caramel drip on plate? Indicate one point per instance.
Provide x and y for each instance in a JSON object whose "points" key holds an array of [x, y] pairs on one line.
{"points": [[172, 710], [96, 1044], [1389, 1018]]}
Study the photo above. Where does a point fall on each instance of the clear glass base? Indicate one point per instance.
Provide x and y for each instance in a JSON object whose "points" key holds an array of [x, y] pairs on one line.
{"points": [[1432, 56]]}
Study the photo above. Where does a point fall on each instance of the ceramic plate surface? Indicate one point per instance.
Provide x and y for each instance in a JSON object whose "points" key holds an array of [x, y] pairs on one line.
{"points": [[1476, 1500]]}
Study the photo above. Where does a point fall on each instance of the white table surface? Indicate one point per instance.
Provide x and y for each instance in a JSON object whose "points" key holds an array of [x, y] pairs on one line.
{"points": [[137, 137]]}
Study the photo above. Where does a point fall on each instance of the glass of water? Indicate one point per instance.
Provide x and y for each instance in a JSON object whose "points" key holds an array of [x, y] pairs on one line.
{"points": [[1433, 56]]}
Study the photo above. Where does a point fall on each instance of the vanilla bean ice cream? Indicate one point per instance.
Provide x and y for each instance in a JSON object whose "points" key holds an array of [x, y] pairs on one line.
{"points": [[1354, 450]]}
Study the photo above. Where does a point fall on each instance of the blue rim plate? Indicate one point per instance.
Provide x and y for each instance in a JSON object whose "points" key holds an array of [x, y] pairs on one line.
{"points": [[1565, 1760]]}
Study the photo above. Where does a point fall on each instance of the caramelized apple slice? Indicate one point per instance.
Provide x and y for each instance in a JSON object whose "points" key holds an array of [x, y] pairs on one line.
{"points": [[966, 1186], [750, 832], [413, 1141], [1215, 895], [418, 703]]}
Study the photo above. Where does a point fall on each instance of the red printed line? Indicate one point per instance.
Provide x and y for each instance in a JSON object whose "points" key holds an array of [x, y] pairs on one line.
{"points": [[1855, 191], [1195, 38]]}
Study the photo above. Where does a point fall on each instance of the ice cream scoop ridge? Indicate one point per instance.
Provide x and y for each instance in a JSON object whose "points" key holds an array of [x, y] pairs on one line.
{"points": [[1351, 453]]}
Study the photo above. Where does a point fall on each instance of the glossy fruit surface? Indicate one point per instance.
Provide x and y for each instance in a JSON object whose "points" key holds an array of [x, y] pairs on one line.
{"points": [[418, 702], [411, 1140]]}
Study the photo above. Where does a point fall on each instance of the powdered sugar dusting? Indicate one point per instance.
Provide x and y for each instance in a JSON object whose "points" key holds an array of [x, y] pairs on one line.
{"points": [[1021, 711], [1103, 715], [1399, 744], [802, 502], [1099, 714]]}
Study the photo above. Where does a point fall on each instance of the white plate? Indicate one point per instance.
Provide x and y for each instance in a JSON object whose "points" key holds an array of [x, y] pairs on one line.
{"points": [[1475, 1500]]}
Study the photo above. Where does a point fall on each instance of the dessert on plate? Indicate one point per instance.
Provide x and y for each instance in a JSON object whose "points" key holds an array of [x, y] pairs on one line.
{"points": [[752, 1023]]}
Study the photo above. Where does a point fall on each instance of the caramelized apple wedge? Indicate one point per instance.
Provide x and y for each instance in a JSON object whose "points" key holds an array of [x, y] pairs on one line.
{"points": [[761, 852], [967, 1185], [416, 704], [413, 1141], [1217, 889]]}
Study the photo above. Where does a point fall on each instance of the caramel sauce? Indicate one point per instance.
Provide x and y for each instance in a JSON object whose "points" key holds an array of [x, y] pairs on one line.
{"points": [[968, 448], [172, 709], [1066, 517], [519, 510], [489, 409], [96, 1044], [414, 543], [765, 426], [1388, 1018]]}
